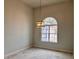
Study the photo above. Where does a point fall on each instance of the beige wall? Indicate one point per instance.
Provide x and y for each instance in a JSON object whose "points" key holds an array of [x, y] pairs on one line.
{"points": [[63, 13], [18, 25]]}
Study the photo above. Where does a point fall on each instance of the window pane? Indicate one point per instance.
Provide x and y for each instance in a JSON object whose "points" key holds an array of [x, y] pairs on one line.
{"points": [[44, 31], [44, 35], [49, 21], [53, 40], [53, 29], [47, 27], [44, 39], [48, 31], [53, 37], [47, 36]]}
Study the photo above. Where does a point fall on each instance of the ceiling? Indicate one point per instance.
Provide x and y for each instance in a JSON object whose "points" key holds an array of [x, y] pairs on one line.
{"points": [[36, 3]]}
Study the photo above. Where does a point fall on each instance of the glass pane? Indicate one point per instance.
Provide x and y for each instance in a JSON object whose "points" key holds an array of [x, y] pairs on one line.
{"points": [[44, 39], [52, 35], [47, 36], [48, 31], [44, 31], [53, 29], [47, 27], [53, 38], [49, 21], [44, 35]]}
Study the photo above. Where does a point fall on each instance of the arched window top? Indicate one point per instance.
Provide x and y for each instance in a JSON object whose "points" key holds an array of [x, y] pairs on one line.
{"points": [[49, 21]]}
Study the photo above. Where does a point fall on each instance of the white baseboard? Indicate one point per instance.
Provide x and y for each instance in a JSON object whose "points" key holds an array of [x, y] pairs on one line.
{"points": [[60, 50], [14, 52]]}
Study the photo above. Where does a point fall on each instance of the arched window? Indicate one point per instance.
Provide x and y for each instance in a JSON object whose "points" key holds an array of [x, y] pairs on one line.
{"points": [[49, 30]]}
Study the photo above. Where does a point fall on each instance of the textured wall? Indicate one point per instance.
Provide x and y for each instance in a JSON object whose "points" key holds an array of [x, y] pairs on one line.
{"points": [[63, 13], [18, 25]]}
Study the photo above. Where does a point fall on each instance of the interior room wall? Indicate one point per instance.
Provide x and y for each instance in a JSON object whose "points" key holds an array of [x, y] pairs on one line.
{"points": [[18, 25], [63, 12]]}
